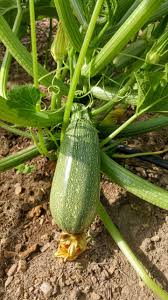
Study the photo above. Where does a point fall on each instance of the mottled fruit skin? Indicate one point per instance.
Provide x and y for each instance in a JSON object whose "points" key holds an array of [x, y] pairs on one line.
{"points": [[75, 187]]}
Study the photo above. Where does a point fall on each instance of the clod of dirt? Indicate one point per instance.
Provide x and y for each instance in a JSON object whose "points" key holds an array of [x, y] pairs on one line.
{"points": [[36, 211], [46, 288], [155, 238], [147, 245], [8, 281], [28, 251], [22, 265], [4, 146], [12, 270]]}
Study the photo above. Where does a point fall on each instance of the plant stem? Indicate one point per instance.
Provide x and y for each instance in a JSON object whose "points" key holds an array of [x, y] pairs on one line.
{"points": [[124, 247], [116, 98], [33, 42], [117, 42], [138, 154], [56, 97], [4, 72], [15, 130], [22, 156], [79, 66], [119, 129], [42, 142]]}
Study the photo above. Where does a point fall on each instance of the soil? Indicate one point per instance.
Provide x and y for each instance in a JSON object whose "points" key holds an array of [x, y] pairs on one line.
{"points": [[28, 238]]}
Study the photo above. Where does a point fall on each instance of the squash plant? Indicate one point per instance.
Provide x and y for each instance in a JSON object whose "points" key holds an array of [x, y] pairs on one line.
{"points": [[109, 54]]}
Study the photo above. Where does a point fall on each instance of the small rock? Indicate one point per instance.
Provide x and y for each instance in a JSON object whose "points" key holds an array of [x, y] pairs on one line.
{"points": [[104, 275], [4, 146], [31, 289], [26, 296], [12, 270], [45, 237], [87, 289], [18, 188], [166, 156], [8, 281], [74, 294], [19, 292], [155, 238], [94, 279], [46, 288], [22, 265], [45, 247], [94, 296], [18, 247], [164, 180]]}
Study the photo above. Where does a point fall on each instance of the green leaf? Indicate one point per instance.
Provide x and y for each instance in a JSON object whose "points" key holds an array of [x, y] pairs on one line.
{"points": [[7, 5], [134, 184], [152, 92], [25, 169], [23, 99], [20, 109], [42, 2]]}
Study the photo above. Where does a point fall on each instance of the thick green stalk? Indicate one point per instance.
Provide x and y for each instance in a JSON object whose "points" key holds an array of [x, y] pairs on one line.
{"points": [[4, 72], [133, 183], [22, 156], [56, 97], [15, 130], [79, 64], [131, 26], [24, 58], [126, 250], [33, 43]]}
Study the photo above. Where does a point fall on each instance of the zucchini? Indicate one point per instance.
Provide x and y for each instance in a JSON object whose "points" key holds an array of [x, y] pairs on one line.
{"points": [[75, 187]]}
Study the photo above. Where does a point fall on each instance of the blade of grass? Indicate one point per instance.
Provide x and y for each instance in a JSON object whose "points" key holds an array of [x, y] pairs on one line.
{"points": [[129, 254]]}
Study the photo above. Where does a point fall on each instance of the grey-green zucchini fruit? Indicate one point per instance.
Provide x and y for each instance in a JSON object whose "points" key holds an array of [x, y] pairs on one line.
{"points": [[76, 183]]}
